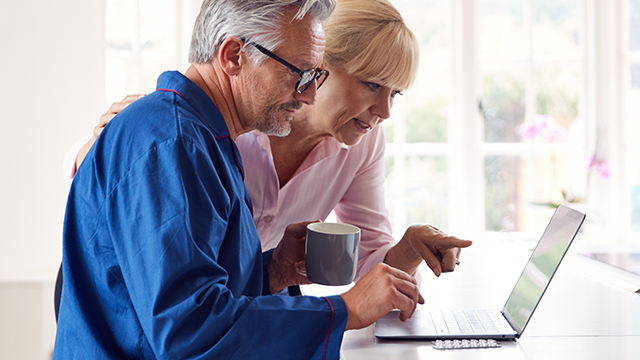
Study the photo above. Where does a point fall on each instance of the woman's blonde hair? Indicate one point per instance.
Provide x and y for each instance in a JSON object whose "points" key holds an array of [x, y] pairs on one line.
{"points": [[369, 39]]}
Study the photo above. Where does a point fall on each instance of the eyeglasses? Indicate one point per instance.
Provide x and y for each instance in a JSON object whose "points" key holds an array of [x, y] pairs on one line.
{"points": [[307, 77]]}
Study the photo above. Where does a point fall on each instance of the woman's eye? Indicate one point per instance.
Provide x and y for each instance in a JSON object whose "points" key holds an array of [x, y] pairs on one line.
{"points": [[394, 93], [373, 86]]}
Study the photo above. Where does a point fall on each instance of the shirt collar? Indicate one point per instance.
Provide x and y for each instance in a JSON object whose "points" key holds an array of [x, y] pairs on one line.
{"points": [[195, 96]]}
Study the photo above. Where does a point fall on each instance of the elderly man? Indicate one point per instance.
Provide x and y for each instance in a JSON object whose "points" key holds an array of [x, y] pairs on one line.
{"points": [[161, 257]]}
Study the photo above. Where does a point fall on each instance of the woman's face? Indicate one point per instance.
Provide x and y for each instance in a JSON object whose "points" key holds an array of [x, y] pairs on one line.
{"points": [[348, 107]]}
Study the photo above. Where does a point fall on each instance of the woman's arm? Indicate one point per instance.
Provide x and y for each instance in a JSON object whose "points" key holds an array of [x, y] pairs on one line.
{"points": [[363, 205]]}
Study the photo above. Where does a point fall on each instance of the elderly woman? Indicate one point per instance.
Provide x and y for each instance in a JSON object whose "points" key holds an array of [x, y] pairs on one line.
{"points": [[333, 158]]}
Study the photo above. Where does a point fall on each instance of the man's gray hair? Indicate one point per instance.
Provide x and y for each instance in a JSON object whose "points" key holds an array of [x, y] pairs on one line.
{"points": [[252, 20]]}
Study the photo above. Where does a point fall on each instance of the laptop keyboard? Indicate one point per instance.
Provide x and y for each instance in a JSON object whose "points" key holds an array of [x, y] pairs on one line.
{"points": [[463, 322]]}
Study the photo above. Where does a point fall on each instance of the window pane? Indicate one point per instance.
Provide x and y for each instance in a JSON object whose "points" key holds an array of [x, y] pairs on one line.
{"points": [[502, 101], [552, 183], [634, 144], [426, 191], [428, 19], [504, 193], [520, 195], [556, 27], [418, 192], [393, 193], [388, 125], [157, 26], [634, 25], [149, 72], [501, 27], [635, 199], [427, 104], [634, 72], [120, 25], [120, 78], [558, 92]]}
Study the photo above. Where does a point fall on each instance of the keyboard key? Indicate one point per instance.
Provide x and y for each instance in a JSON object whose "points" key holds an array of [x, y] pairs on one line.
{"points": [[442, 329]]}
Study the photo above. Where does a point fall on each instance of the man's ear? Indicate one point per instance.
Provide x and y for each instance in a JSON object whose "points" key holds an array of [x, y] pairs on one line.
{"points": [[231, 56]]}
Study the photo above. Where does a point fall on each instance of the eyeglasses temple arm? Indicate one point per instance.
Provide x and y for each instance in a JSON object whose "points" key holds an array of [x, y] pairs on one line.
{"points": [[277, 58]]}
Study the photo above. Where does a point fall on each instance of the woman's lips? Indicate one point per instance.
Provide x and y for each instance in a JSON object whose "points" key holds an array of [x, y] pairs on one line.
{"points": [[363, 127]]}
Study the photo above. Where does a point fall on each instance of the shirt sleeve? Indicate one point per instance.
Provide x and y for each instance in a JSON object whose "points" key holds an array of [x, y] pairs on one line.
{"points": [[363, 205], [187, 287]]}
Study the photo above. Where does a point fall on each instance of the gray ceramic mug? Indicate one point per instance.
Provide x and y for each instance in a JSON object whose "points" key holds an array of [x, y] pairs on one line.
{"points": [[331, 253]]}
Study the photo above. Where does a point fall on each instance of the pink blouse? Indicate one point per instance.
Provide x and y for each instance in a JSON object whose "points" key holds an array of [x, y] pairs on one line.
{"points": [[333, 176]]}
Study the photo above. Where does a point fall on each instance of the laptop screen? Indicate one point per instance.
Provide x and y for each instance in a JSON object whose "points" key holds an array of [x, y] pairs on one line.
{"points": [[543, 263]]}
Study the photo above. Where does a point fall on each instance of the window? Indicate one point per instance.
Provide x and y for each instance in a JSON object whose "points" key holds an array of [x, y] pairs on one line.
{"points": [[143, 39], [510, 114]]}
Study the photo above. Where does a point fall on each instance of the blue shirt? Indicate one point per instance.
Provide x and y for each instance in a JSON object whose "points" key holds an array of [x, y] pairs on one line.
{"points": [[161, 258]]}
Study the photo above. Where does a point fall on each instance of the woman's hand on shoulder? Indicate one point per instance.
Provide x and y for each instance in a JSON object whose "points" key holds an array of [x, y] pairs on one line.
{"points": [[113, 110]]}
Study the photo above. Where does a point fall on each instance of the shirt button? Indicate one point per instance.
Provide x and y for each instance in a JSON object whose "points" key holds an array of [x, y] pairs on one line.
{"points": [[268, 219]]}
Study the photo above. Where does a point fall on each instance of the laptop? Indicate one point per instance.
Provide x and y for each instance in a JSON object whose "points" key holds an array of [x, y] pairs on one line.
{"points": [[510, 322]]}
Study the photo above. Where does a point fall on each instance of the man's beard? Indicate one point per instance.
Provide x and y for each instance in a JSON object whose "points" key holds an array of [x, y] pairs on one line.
{"points": [[273, 120]]}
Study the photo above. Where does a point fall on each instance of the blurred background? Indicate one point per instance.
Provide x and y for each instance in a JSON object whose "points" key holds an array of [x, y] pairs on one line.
{"points": [[519, 105]]}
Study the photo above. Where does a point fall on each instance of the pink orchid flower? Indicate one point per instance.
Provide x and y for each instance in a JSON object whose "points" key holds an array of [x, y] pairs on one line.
{"points": [[600, 166], [542, 126]]}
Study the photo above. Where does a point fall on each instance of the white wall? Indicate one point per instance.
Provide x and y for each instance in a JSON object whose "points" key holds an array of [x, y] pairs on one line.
{"points": [[51, 93]]}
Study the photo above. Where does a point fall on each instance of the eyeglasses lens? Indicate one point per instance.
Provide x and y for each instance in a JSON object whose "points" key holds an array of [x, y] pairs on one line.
{"points": [[322, 76], [308, 77]]}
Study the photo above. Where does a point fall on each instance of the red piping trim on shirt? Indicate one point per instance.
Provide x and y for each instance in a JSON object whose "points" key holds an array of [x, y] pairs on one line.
{"points": [[324, 355], [235, 155], [170, 90]]}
